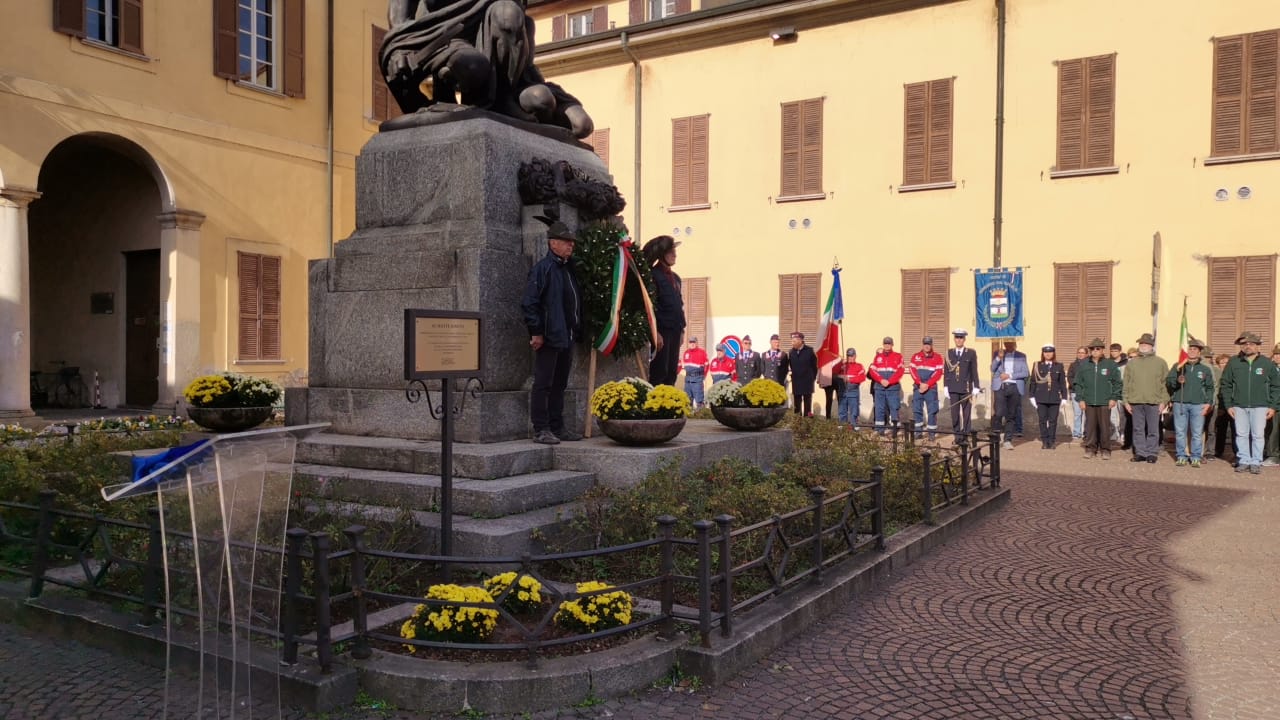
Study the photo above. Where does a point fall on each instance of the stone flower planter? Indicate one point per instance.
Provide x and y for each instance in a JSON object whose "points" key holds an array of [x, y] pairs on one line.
{"points": [[640, 432], [229, 420], [749, 418]]}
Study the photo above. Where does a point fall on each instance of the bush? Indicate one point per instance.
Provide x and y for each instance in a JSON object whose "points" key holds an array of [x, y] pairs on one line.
{"points": [[601, 611], [525, 597], [454, 621]]}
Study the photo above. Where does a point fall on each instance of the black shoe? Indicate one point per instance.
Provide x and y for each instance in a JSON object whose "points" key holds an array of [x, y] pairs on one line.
{"points": [[1137, 458], [1152, 459], [566, 435], [546, 437]]}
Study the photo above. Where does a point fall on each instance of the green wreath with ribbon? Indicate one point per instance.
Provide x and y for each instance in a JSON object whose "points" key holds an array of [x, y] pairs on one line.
{"points": [[617, 288]]}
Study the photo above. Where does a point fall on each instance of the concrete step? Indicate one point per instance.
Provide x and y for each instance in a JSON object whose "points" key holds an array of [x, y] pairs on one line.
{"points": [[509, 536], [415, 491], [482, 461]]}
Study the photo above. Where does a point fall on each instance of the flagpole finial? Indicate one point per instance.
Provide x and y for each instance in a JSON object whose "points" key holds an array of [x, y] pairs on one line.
{"points": [[835, 263]]}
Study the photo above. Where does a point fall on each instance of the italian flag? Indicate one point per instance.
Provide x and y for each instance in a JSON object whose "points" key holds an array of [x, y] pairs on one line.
{"points": [[1182, 336], [828, 351]]}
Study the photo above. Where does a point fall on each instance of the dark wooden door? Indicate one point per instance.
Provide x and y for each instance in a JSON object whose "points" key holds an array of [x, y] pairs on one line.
{"points": [[142, 328]]}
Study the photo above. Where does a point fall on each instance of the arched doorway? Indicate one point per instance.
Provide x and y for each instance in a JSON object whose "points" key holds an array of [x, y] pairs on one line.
{"points": [[96, 272]]}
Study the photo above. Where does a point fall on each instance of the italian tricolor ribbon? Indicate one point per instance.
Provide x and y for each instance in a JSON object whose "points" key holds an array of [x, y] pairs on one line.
{"points": [[609, 335]]}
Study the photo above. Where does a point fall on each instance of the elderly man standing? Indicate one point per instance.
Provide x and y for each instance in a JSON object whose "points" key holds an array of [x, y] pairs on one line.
{"points": [[1145, 398], [1251, 393], [552, 307], [1009, 373]]}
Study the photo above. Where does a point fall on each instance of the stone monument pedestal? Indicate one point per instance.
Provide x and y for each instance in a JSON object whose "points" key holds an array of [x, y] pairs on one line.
{"points": [[439, 225]]}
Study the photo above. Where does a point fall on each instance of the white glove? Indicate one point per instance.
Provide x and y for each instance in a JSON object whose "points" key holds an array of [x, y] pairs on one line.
{"points": [[1033, 402], [942, 392]]}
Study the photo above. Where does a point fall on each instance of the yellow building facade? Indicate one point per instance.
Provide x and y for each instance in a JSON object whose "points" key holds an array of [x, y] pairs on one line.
{"points": [[167, 171], [1121, 122]]}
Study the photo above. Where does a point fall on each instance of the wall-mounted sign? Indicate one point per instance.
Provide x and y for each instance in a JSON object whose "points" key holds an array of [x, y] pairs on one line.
{"points": [[441, 344]]}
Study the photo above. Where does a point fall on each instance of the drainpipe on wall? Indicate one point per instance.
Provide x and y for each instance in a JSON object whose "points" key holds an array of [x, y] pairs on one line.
{"points": [[998, 220], [328, 161], [639, 103]]}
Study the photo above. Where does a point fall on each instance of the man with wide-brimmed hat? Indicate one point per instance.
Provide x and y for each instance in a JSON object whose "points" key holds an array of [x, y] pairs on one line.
{"points": [[552, 308], [668, 309], [1251, 394], [1145, 398], [1191, 388], [1098, 388]]}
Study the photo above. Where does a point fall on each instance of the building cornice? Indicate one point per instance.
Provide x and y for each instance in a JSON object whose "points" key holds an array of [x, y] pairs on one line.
{"points": [[736, 22]]}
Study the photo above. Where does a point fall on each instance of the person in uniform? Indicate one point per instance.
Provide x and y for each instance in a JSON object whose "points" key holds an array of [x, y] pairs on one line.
{"points": [[1191, 387], [721, 367], [1099, 388], [853, 375], [749, 363], [960, 381], [668, 309], [1048, 392], [926, 371], [803, 364], [886, 394], [773, 359], [694, 362]]}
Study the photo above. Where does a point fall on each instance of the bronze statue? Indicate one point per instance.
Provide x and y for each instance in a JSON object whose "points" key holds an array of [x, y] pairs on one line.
{"points": [[479, 49]]}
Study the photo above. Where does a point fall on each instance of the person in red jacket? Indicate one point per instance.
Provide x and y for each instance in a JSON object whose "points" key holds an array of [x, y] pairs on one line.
{"points": [[722, 367], [926, 371], [848, 377], [694, 363], [886, 372]]}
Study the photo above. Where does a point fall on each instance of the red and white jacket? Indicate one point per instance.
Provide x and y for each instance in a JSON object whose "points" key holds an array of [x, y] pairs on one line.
{"points": [[886, 366], [694, 361], [724, 366], [926, 370], [852, 372]]}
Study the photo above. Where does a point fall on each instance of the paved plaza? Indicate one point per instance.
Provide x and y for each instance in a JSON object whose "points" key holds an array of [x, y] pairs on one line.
{"points": [[1106, 590]]}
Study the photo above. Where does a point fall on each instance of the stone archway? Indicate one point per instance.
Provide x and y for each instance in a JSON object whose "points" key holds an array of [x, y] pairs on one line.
{"points": [[109, 258]]}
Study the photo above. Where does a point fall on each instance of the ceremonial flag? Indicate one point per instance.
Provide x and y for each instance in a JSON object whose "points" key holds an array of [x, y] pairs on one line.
{"points": [[1183, 337], [828, 347], [623, 263]]}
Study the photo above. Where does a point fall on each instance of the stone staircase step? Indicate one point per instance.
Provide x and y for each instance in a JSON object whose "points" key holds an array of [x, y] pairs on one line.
{"points": [[509, 536], [482, 461], [415, 491]]}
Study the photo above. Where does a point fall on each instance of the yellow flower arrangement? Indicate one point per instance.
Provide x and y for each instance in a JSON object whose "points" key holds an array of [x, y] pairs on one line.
{"points": [[635, 399], [526, 596], [597, 612], [459, 620], [763, 392], [206, 389], [231, 390]]}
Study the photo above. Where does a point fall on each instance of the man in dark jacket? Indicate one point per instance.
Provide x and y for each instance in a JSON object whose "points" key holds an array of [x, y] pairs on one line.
{"points": [[803, 364], [668, 310], [552, 307], [1251, 393], [749, 363], [1098, 389], [1190, 386]]}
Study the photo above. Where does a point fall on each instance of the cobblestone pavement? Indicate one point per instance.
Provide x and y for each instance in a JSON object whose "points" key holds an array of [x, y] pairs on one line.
{"points": [[1112, 590]]}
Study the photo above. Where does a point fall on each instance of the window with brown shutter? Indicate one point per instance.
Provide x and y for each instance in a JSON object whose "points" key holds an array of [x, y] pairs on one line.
{"points": [[1082, 304], [696, 308], [261, 45], [558, 25], [799, 306], [259, 292], [689, 139], [599, 142], [927, 132], [1242, 297], [1086, 113], [69, 17], [1246, 84], [802, 149], [926, 304], [117, 23], [382, 104]]}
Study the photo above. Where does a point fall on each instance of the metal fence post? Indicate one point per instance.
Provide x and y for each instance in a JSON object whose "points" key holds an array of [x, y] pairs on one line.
{"points": [[975, 457], [44, 533], [995, 459], [701, 528], [726, 574], [294, 538], [910, 440], [360, 620], [153, 573], [816, 495], [877, 518], [320, 575], [926, 487], [666, 528]]}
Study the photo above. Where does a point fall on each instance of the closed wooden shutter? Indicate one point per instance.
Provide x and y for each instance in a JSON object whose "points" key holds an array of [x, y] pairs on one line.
{"points": [[1070, 117], [599, 142], [559, 27], [1246, 82], [600, 18], [269, 325], [68, 17], [802, 147], [130, 37], [681, 136], [1086, 113], [383, 105], [1082, 304], [926, 304], [635, 12], [250, 286], [1242, 292], [295, 48], [809, 306], [226, 33], [791, 149], [940, 116], [683, 6], [927, 132], [788, 303], [696, 308]]}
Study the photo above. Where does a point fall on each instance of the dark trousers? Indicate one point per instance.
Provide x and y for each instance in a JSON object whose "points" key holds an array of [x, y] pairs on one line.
{"points": [[665, 365], [1048, 416], [1224, 429], [806, 399], [830, 391], [1008, 404], [1146, 429], [550, 377], [1097, 428], [961, 408]]}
